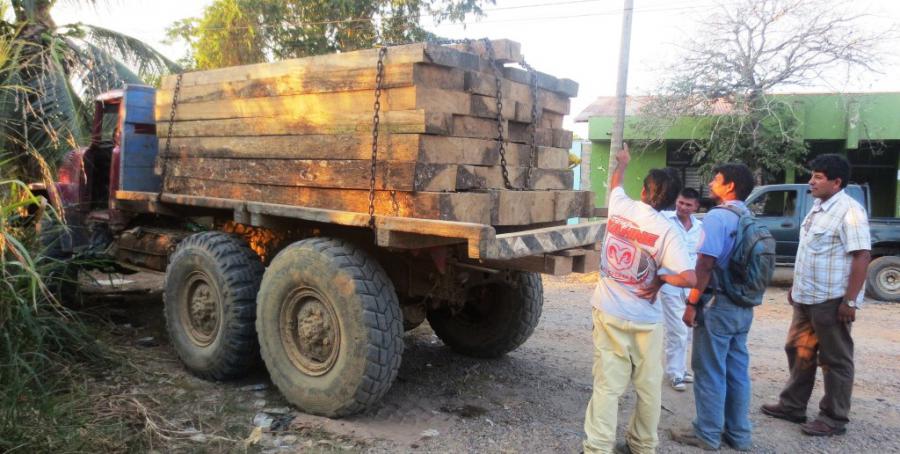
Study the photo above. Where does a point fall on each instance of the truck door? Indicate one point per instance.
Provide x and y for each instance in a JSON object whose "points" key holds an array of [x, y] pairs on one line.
{"points": [[776, 208]]}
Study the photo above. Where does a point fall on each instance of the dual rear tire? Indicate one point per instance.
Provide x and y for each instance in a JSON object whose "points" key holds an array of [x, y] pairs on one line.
{"points": [[324, 317]]}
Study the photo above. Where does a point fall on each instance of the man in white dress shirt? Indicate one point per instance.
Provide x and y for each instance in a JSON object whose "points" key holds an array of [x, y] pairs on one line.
{"points": [[678, 335]]}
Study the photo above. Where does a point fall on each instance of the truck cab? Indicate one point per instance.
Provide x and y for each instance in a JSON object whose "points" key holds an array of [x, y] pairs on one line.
{"points": [[90, 176]]}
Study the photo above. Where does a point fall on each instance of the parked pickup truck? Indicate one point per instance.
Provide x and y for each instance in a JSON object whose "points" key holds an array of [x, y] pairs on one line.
{"points": [[782, 207]]}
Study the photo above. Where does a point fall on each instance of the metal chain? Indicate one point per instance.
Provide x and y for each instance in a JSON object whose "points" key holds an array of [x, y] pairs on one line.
{"points": [[376, 121], [501, 141], [534, 121], [168, 147]]}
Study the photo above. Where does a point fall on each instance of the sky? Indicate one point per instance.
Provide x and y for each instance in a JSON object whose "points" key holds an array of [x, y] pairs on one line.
{"points": [[575, 39]]}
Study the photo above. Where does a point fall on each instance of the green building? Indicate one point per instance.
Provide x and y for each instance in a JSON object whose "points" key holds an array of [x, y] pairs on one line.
{"points": [[865, 127]]}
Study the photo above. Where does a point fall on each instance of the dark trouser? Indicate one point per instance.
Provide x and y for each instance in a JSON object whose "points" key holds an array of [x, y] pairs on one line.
{"points": [[816, 333]]}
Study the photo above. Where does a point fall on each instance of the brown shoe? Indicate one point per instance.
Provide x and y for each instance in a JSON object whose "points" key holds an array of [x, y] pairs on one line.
{"points": [[818, 428], [777, 411], [690, 438]]}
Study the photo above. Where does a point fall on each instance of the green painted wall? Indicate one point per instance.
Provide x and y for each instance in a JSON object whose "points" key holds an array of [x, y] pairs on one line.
{"points": [[641, 163], [849, 118]]}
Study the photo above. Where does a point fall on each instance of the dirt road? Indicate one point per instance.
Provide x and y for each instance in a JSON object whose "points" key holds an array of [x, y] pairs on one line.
{"points": [[531, 401]]}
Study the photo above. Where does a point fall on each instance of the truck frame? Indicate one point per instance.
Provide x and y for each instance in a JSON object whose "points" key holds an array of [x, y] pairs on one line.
{"points": [[322, 297]]}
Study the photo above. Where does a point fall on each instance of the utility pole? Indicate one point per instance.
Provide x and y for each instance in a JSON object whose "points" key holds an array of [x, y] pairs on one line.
{"points": [[621, 92]]}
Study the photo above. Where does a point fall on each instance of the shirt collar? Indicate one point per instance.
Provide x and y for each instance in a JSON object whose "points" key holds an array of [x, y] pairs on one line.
{"points": [[824, 206]]}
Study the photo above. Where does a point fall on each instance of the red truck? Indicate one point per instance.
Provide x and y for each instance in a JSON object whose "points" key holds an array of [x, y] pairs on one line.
{"points": [[318, 295]]}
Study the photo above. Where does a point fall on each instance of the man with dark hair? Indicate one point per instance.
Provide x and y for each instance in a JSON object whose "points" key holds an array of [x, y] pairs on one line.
{"points": [[829, 275], [672, 298], [720, 358], [627, 332]]}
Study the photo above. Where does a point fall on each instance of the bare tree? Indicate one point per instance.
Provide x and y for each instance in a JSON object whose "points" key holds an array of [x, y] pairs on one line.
{"points": [[742, 53]]}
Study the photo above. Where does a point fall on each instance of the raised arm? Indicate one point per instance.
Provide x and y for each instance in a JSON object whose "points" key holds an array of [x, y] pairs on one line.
{"points": [[622, 158]]}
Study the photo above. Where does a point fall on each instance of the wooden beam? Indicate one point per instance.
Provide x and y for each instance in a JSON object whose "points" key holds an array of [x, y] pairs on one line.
{"points": [[462, 206], [554, 265]]}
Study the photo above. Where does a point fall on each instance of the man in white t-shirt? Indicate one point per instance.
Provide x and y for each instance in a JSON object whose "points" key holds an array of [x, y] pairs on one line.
{"points": [[628, 330], [678, 336]]}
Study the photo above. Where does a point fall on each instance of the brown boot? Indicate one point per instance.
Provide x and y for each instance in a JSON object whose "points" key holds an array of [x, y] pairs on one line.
{"points": [[690, 438], [777, 411], [818, 428]]}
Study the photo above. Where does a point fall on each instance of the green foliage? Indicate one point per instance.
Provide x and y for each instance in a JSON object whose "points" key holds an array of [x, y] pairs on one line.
{"points": [[55, 71], [233, 32]]}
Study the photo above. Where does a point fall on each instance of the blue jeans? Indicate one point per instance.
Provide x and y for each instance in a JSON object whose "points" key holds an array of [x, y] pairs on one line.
{"points": [[721, 374]]}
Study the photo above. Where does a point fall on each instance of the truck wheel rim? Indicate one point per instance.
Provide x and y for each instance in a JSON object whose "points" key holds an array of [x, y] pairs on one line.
{"points": [[889, 279], [310, 331], [201, 309]]}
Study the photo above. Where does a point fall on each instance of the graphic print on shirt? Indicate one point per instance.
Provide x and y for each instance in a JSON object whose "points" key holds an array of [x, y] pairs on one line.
{"points": [[626, 259]]}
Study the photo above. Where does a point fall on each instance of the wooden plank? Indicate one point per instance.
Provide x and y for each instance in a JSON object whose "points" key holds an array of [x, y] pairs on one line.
{"points": [[315, 80], [491, 177], [407, 122], [522, 207], [565, 87], [331, 105], [521, 133], [554, 265], [396, 55], [391, 147], [505, 50], [464, 207], [587, 263], [341, 174], [484, 84]]}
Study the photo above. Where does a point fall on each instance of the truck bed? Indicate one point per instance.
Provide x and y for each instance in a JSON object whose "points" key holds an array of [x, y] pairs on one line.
{"points": [[569, 247]]}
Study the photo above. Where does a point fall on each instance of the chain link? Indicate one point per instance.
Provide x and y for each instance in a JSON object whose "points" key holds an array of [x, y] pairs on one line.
{"points": [[501, 141], [376, 121], [168, 147], [534, 121]]}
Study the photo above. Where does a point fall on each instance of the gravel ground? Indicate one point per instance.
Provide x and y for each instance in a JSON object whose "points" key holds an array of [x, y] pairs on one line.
{"points": [[530, 401]]}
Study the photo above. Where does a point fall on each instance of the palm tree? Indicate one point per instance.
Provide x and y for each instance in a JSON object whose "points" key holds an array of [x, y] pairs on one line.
{"points": [[60, 68]]}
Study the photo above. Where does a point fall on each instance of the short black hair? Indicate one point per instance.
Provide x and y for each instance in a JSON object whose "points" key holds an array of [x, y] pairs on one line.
{"points": [[740, 175], [690, 193], [833, 165], [662, 187]]}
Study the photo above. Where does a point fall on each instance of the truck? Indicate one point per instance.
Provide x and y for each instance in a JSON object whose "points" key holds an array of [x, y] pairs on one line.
{"points": [[782, 208], [321, 296]]}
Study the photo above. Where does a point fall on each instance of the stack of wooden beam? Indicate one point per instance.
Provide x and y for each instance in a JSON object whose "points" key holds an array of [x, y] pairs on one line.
{"points": [[299, 132]]}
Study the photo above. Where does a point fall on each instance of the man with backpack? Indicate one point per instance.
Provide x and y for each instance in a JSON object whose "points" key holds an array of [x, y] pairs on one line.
{"points": [[829, 275], [735, 263]]}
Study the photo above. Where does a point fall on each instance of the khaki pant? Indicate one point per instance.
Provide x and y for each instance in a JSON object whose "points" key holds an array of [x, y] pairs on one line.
{"points": [[624, 352]]}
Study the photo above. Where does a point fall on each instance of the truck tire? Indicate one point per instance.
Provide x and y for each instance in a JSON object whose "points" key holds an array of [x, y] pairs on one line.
{"points": [[883, 279], [210, 305], [330, 329], [497, 318]]}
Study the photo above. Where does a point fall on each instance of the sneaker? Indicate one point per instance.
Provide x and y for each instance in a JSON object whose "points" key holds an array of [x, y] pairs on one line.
{"points": [[777, 411], [688, 377], [678, 384], [690, 438]]}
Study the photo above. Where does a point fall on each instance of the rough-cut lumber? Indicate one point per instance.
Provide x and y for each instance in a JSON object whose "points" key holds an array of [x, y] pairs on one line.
{"points": [[391, 147], [485, 84], [315, 122], [334, 105], [564, 87], [313, 80], [344, 174], [505, 51], [459, 206], [483, 177], [405, 54]]}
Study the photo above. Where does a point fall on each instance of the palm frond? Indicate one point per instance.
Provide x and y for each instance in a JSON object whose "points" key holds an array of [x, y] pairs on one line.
{"points": [[129, 50]]}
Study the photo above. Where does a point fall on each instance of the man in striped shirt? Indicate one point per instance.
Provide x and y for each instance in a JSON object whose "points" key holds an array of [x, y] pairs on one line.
{"points": [[828, 288]]}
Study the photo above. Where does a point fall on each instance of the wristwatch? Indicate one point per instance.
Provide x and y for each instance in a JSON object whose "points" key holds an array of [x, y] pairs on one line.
{"points": [[851, 303]]}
